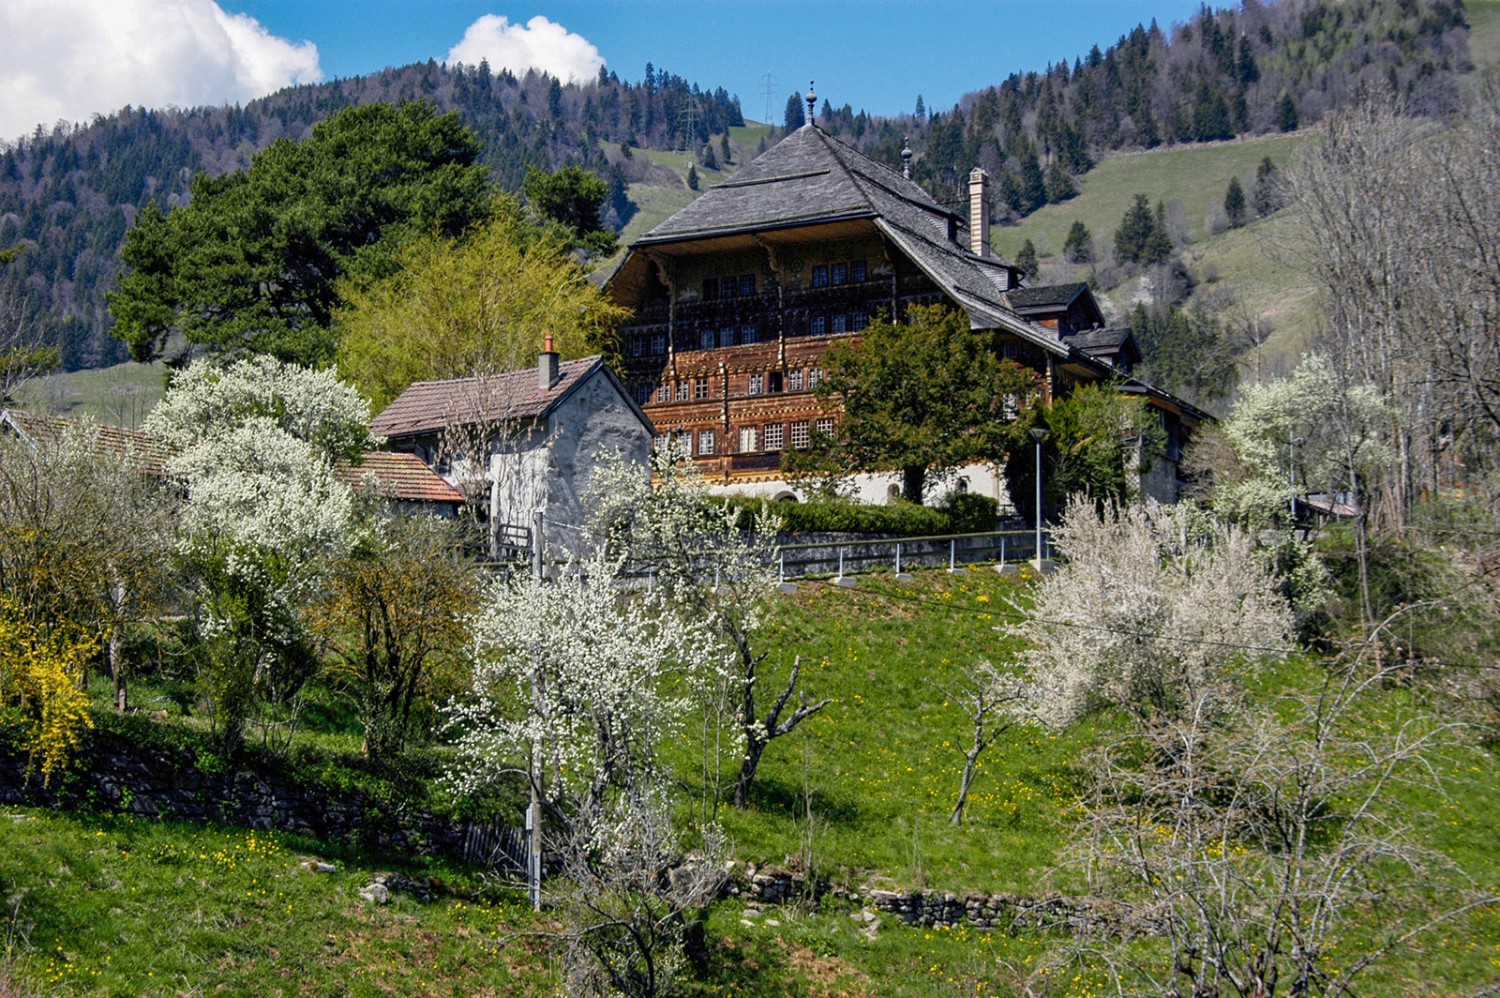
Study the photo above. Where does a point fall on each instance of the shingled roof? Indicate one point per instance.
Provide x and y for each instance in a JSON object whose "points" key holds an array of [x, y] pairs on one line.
{"points": [[810, 178], [1047, 296]]}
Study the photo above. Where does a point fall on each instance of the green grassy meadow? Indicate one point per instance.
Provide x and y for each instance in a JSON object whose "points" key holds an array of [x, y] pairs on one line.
{"points": [[103, 904]]}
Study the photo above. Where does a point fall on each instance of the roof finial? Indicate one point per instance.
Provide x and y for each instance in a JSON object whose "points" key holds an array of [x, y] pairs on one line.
{"points": [[812, 104], [906, 156]]}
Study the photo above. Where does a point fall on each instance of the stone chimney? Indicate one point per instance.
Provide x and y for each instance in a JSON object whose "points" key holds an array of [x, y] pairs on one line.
{"points": [[546, 368], [979, 212]]}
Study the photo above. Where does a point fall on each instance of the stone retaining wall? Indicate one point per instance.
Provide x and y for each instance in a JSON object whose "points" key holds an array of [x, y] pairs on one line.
{"points": [[116, 774]]}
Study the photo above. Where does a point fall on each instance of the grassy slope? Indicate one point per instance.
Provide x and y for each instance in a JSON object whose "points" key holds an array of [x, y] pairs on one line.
{"points": [[121, 395], [1484, 33], [117, 906], [1255, 265]]}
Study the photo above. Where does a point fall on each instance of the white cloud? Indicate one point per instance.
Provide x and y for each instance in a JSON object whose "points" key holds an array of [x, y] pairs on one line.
{"points": [[70, 59], [538, 44]]}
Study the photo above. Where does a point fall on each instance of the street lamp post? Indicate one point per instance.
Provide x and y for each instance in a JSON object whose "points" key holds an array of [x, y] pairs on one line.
{"points": [[1038, 434]]}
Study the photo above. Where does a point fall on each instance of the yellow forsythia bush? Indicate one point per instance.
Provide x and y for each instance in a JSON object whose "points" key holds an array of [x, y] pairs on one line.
{"points": [[41, 672]]}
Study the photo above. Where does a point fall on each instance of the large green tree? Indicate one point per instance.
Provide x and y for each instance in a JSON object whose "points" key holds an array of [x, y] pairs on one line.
{"points": [[476, 305], [927, 394], [252, 263], [572, 197]]}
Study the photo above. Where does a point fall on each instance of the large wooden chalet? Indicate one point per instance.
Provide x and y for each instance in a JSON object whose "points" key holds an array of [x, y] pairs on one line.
{"points": [[738, 297]]}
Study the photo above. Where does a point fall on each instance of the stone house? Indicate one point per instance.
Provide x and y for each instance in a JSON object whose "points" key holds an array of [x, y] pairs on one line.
{"points": [[524, 441], [738, 297]]}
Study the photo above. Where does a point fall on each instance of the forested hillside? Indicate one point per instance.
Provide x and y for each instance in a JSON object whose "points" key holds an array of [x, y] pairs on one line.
{"points": [[69, 195]]}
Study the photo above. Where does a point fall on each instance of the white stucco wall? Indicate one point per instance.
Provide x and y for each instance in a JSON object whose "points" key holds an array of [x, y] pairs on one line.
{"points": [[550, 468]]}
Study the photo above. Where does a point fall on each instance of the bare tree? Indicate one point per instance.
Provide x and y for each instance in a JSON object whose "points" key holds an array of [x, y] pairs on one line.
{"points": [[1400, 232], [985, 695], [1255, 853], [628, 900], [21, 356]]}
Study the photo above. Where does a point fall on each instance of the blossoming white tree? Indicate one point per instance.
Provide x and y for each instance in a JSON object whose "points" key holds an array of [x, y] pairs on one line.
{"points": [[1138, 619], [696, 553], [255, 444], [576, 681]]}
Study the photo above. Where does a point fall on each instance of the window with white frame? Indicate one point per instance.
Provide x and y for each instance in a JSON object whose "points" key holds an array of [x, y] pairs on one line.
{"points": [[794, 381], [706, 442], [700, 388], [800, 435], [825, 427], [817, 325], [820, 276], [757, 384], [682, 391], [747, 440], [772, 435], [838, 324], [658, 344], [663, 392], [814, 377]]}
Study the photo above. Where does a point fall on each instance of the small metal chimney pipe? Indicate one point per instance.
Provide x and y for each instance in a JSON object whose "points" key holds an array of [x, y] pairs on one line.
{"points": [[546, 368], [979, 213]]}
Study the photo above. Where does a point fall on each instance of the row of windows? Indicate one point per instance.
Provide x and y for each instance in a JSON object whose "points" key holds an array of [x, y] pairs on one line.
{"points": [[739, 286], [769, 437], [835, 274], [697, 389]]}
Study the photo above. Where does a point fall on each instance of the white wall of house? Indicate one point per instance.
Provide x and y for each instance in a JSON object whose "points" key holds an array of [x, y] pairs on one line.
{"points": [[549, 468]]}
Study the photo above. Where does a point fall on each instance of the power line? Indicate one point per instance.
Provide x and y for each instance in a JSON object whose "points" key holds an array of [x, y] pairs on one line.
{"points": [[768, 89]]}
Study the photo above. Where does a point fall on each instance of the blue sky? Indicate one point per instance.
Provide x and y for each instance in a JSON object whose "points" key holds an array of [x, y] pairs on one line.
{"points": [[66, 60], [876, 55]]}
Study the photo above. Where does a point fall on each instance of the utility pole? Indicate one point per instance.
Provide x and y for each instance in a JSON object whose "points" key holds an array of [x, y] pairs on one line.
{"points": [[534, 809]]}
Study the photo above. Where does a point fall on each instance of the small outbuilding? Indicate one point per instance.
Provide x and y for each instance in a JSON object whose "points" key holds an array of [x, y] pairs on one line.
{"points": [[523, 442]]}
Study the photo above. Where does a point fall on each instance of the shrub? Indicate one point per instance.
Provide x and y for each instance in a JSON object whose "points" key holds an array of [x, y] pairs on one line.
{"points": [[960, 513]]}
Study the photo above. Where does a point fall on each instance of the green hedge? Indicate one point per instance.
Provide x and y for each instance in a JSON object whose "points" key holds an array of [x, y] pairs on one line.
{"points": [[961, 514]]}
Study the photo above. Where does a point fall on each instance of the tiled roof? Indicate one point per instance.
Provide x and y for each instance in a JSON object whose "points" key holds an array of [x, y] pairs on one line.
{"points": [[429, 406], [148, 453], [1046, 296], [397, 476]]}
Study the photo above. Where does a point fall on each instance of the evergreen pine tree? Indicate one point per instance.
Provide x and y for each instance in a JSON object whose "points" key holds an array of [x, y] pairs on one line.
{"points": [[724, 149], [1267, 195], [1158, 248], [1059, 185], [692, 177], [1079, 246], [1026, 261], [1135, 231], [1033, 184], [795, 117], [1234, 203], [1211, 118], [1286, 113], [921, 112]]}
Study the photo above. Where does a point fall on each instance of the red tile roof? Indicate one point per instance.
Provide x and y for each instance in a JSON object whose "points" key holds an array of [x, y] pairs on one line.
{"points": [[428, 406], [397, 476], [146, 452]]}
